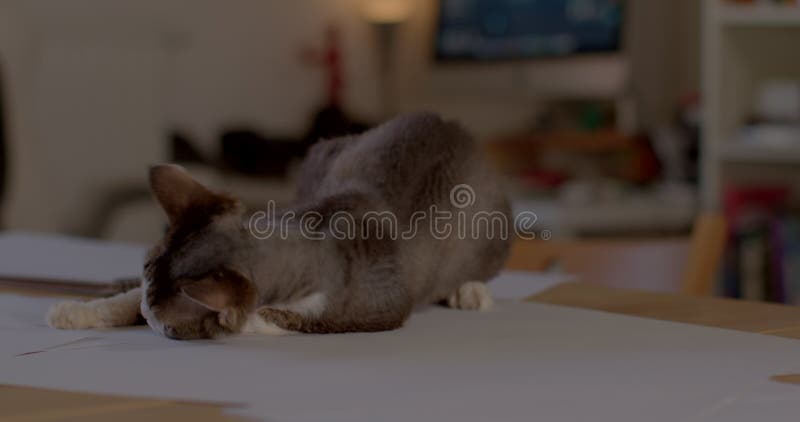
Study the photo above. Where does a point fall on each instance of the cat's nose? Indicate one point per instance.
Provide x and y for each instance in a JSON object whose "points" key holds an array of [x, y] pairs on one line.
{"points": [[171, 332]]}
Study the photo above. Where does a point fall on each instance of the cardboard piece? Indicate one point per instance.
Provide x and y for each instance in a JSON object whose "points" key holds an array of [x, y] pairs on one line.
{"points": [[787, 378], [754, 317]]}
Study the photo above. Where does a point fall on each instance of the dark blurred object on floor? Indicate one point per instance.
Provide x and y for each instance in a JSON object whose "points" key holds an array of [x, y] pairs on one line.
{"points": [[248, 152], [331, 122], [183, 151]]}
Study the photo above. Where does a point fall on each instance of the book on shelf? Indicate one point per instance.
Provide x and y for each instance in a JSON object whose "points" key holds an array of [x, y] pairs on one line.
{"points": [[762, 261], [791, 260]]}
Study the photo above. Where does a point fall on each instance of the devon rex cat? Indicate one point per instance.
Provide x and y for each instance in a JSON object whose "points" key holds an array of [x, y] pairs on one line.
{"points": [[404, 215]]}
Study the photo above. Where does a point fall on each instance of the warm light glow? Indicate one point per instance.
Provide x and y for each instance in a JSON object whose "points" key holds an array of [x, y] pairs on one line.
{"points": [[387, 11]]}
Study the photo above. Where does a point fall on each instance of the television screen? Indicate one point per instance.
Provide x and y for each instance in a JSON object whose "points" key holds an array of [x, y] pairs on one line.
{"points": [[519, 29]]}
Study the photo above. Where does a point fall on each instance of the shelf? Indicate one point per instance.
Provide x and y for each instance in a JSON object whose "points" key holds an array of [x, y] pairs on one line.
{"points": [[759, 15], [760, 154], [634, 213], [743, 46]]}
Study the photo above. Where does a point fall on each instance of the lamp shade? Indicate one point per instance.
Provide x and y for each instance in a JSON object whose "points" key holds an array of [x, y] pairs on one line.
{"points": [[386, 11]]}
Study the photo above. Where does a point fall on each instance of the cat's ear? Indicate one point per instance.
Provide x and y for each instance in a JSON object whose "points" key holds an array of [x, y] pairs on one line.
{"points": [[176, 191], [209, 294], [221, 291]]}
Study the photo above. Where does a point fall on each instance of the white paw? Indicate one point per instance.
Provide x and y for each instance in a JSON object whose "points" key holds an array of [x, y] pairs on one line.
{"points": [[256, 324], [471, 296], [71, 316]]}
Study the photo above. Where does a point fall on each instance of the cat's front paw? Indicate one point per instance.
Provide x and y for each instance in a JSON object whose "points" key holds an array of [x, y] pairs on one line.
{"points": [[70, 316], [287, 320], [257, 323], [471, 296]]}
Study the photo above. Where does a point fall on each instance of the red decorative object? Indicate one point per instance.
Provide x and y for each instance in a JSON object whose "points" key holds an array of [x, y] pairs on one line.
{"points": [[329, 57]]}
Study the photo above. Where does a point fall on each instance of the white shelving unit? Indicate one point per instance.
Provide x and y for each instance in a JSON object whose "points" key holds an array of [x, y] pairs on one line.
{"points": [[743, 45], [757, 15], [754, 154]]}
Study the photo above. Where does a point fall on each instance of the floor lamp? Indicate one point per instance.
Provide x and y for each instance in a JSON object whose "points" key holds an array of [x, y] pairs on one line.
{"points": [[386, 16]]}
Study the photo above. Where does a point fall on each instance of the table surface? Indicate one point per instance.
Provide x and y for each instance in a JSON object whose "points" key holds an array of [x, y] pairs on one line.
{"points": [[27, 404]]}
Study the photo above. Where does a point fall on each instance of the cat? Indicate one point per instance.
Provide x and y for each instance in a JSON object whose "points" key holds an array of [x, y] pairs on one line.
{"points": [[216, 272]]}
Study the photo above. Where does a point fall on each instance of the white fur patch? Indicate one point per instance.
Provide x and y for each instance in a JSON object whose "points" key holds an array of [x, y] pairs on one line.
{"points": [[471, 296], [311, 305], [147, 313], [256, 324], [72, 316]]}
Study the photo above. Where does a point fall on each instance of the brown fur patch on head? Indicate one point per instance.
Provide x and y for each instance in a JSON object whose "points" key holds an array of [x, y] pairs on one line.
{"points": [[221, 291]]}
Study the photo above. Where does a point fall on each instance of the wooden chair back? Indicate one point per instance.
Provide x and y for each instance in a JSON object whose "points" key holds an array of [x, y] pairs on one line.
{"points": [[687, 265]]}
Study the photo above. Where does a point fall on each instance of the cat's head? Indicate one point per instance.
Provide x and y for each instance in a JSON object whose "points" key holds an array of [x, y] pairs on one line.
{"points": [[191, 286]]}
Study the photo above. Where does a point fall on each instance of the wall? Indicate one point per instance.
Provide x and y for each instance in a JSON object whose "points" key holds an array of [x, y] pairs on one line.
{"points": [[94, 86], [663, 43], [88, 94], [17, 57]]}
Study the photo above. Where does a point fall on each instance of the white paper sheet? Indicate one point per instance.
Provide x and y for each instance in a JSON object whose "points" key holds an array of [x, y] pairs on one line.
{"points": [[521, 285], [519, 362], [60, 257]]}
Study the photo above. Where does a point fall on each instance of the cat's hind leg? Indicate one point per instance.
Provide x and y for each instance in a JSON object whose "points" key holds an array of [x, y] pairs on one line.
{"points": [[116, 311], [369, 307], [290, 321], [471, 296]]}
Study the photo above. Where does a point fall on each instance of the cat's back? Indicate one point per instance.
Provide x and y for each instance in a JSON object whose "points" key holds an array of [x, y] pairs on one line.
{"points": [[410, 164], [408, 161]]}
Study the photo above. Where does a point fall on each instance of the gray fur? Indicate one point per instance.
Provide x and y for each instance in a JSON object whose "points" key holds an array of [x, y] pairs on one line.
{"points": [[404, 166]]}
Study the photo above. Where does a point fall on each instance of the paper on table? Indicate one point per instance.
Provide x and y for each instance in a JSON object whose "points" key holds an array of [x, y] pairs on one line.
{"points": [[31, 342], [68, 258], [508, 285], [762, 401], [518, 362], [521, 285]]}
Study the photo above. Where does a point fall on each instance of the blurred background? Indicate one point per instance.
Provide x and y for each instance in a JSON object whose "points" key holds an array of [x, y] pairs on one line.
{"points": [[611, 119]]}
